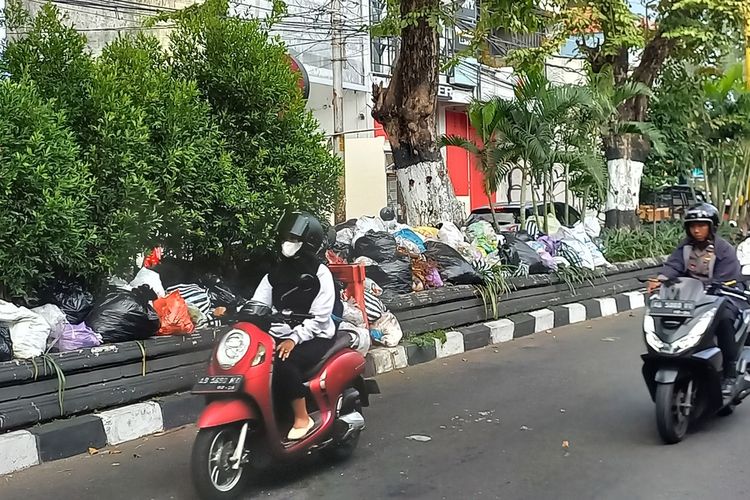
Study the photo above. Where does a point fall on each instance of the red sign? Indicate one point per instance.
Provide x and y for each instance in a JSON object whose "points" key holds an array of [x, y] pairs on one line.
{"points": [[304, 80]]}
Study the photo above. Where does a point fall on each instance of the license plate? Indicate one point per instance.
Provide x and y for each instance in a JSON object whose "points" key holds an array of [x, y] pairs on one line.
{"points": [[218, 384], [674, 308]]}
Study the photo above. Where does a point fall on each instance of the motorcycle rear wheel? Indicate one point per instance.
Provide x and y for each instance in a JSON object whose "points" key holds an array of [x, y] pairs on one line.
{"points": [[212, 471], [671, 420]]}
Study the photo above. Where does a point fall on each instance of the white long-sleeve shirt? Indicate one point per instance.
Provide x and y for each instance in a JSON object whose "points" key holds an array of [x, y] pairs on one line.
{"points": [[320, 325]]}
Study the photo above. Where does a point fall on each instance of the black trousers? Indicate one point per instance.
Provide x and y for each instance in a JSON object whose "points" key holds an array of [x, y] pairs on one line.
{"points": [[288, 382], [725, 331]]}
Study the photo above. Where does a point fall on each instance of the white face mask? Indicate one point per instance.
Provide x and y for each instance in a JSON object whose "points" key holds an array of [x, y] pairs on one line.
{"points": [[290, 248]]}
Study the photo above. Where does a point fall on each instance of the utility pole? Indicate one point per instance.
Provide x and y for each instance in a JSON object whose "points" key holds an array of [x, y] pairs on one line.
{"points": [[337, 60]]}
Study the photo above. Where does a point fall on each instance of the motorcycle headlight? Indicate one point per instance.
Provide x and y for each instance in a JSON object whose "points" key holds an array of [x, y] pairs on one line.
{"points": [[695, 333], [232, 348]]}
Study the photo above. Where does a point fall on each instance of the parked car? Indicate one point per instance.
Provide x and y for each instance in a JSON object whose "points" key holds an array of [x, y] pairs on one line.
{"points": [[675, 199], [510, 213]]}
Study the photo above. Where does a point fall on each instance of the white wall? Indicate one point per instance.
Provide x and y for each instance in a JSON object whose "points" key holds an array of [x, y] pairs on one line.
{"points": [[566, 70], [366, 187], [357, 107]]}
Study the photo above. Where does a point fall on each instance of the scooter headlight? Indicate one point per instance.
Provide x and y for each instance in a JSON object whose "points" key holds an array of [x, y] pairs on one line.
{"points": [[232, 348], [649, 329], [695, 333]]}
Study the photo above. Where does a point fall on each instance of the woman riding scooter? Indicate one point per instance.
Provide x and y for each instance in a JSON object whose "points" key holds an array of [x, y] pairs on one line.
{"points": [[299, 348], [705, 256]]}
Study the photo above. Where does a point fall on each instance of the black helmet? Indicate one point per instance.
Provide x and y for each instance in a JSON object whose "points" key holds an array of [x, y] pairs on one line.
{"points": [[702, 212], [303, 227], [387, 214]]}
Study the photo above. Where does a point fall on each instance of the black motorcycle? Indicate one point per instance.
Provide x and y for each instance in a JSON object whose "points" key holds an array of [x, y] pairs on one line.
{"points": [[683, 367]]}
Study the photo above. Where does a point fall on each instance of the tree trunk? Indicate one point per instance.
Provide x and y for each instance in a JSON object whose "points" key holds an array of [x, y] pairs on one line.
{"points": [[522, 198], [495, 226], [407, 109], [566, 184], [625, 157]]}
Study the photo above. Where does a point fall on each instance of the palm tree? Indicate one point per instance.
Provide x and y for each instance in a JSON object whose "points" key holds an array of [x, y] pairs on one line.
{"points": [[492, 163], [530, 128]]}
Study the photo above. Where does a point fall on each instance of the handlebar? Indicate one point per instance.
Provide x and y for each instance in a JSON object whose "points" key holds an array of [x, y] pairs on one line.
{"points": [[265, 319]]}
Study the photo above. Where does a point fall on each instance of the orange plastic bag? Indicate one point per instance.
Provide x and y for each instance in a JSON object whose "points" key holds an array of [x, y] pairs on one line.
{"points": [[174, 315]]}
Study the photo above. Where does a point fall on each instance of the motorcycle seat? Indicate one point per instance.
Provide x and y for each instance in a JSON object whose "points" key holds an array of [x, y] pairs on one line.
{"points": [[341, 341]]}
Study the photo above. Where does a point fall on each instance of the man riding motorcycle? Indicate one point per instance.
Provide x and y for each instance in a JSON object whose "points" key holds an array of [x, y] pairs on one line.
{"points": [[705, 256]]}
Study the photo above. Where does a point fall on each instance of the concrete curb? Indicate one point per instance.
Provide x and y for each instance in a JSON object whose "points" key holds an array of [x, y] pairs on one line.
{"points": [[383, 360], [66, 438]]}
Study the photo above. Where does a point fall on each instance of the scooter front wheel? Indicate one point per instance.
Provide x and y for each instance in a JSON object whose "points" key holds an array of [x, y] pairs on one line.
{"points": [[672, 420], [213, 467]]}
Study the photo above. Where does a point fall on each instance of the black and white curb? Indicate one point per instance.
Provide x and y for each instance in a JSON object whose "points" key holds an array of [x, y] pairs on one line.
{"points": [[73, 436], [385, 359]]}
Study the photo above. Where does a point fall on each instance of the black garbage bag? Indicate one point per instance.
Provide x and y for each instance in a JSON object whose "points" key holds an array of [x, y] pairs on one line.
{"points": [[73, 300], [342, 250], [6, 344], [379, 246], [516, 253], [452, 266], [393, 275], [125, 315], [219, 292]]}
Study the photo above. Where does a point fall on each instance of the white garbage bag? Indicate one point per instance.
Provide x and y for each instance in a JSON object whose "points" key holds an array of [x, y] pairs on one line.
{"points": [[56, 320], [28, 330], [353, 314], [450, 235], [345, 236], [368, 224], [389, 328], [592, 226], [152, 279]]}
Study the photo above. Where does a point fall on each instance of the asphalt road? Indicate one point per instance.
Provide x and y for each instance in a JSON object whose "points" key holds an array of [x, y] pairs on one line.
{"points": [[498, 419]]}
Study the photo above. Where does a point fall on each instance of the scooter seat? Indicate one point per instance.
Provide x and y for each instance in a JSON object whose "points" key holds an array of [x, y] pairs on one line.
{"points": [[341, 341]]}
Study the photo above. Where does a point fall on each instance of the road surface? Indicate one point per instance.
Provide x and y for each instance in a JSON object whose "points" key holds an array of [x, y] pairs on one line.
{"points": [[499, 420]]}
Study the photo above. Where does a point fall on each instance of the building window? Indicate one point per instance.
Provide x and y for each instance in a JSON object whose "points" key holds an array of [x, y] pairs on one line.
{"points": [[383, 50]]}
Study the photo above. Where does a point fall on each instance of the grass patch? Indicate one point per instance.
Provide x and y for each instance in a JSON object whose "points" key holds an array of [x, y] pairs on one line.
{"points": [[426, 339]]}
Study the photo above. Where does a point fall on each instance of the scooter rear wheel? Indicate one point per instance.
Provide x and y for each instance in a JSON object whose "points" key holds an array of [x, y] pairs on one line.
{"points": [[213, 475], [671, 419]]}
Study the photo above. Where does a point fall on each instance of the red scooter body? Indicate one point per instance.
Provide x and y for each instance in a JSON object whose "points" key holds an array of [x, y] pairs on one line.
{"points": [[337, 389]]}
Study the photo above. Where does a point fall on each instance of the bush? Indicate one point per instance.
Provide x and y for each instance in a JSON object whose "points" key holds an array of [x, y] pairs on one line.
{"points": [[159, 143], [273, 140], [45, 221], [621, 245], [199, 150]]}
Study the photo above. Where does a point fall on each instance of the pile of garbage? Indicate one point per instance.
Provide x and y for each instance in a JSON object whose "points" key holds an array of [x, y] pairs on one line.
{"points": [[70, 318], [401, 259]]}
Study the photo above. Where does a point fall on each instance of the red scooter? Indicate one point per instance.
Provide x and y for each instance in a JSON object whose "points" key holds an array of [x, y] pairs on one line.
{"points": [[242, 432]]}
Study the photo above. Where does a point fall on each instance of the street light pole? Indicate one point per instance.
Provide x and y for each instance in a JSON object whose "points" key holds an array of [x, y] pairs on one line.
{"points": [[337, 60]]}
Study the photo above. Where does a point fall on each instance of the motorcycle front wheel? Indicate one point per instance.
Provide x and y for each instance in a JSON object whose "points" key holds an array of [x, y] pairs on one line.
{"points": [[672, 417], [214, 476]]}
